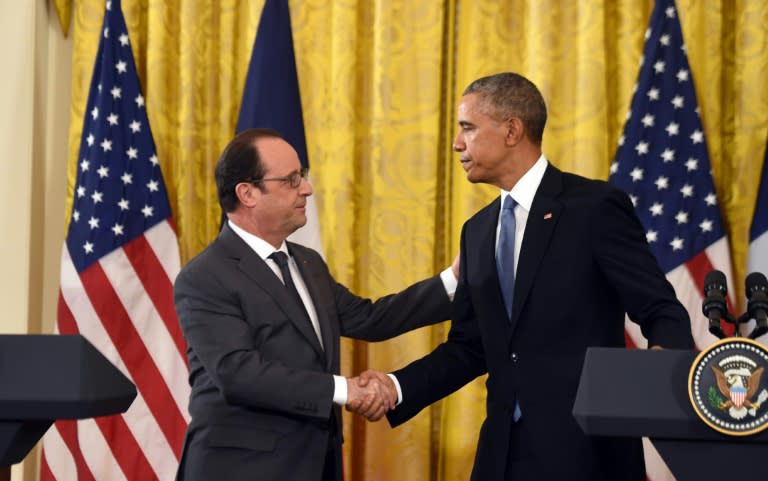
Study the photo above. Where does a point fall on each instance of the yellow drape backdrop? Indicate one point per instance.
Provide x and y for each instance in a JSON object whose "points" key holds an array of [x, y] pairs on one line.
{"points": [[380, 80]]}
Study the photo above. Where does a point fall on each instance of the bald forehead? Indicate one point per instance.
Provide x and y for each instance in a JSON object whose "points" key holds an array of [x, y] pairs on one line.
{"points": [[277, 155]]}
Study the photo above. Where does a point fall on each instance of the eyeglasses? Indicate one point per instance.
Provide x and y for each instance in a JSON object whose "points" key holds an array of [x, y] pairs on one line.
{"points": [[293, 179]]}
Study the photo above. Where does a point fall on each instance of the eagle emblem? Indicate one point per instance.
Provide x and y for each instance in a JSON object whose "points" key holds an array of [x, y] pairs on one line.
{"points": [[727, 386], [738, 379]]}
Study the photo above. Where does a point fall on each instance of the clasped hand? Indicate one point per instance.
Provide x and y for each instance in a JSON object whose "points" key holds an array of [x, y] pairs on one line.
{"points": [[371, 394]]}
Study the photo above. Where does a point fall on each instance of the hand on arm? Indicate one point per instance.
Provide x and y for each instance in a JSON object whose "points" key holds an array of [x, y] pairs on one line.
{"points": [[455, 265], [371, 395]]}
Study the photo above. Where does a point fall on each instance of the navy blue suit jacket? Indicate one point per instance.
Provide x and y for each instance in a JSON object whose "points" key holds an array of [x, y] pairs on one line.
{"points": [[583, 263]]}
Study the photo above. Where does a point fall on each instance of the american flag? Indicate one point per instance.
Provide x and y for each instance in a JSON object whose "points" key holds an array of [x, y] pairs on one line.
{"points": [[117, 268], [662, 163], [758, 233]]}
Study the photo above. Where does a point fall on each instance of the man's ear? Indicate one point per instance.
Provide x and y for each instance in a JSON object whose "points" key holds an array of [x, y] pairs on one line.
{"points": [[247, 193], [515, 131]]}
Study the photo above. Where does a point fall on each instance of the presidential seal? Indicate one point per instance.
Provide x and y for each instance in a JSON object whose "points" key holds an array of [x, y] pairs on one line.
{"points": [[728, 388]]}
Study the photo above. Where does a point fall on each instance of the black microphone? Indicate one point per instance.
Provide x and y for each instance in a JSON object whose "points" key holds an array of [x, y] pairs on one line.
{"points": [[714, 306], [757, 302]]}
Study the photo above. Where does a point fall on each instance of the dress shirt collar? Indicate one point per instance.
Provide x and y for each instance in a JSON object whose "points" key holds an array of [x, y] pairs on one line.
{"points": [[525, 189], [261, 247]]}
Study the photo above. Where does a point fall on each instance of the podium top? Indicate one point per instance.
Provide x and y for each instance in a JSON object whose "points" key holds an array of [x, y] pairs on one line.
{"points": [[639, 392], [47, 377]]}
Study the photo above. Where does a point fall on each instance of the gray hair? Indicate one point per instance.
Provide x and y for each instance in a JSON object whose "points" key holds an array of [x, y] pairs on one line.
{"points": [[506, 95]]}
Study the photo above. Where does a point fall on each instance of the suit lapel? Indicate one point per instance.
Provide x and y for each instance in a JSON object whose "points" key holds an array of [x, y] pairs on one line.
{"points": [[314, 277], [482, 253], [542, 219], [257, 269]]}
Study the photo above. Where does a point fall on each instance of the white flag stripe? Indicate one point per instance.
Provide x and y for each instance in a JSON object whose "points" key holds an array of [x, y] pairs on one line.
{"points": [[720, 256], [656, 468], [154, 335], [58, 456], [689, 294], [88, 322], [156, 449], [633, 330], [759, 263], [90, 326], [164, 243], [96, 452]]}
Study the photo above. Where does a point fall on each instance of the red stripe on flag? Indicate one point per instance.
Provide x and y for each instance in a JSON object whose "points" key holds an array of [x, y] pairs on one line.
{"points": [[68, 432], [65, 321], [628, 341], [45, 471], [159, 288], [699, 266], [130, 456], [120, 441], [134, 354]]}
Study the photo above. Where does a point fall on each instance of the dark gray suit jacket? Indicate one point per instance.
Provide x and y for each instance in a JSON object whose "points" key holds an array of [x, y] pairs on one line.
{"points": [[262, 386], [583, 263]]}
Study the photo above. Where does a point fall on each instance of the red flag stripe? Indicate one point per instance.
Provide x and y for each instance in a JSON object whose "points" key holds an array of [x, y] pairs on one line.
{"points": [[68, 325], [45, 471], [162, 238], [130, 457], [629, 341], [68, 431], [158, 287], [134, 354], [699, 266], [162, 456], [157, 340], [56, 460]]}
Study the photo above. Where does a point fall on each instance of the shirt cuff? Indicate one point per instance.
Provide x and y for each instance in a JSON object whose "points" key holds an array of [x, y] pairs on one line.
{"points": [[397, 386], [340, 390], [449, 282]]}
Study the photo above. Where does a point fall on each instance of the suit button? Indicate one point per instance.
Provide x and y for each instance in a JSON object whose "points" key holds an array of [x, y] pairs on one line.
{"points": [[513, 357]]}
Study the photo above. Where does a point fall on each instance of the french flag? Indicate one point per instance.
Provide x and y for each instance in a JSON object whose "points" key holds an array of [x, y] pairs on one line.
{"points": [[271, 98]]}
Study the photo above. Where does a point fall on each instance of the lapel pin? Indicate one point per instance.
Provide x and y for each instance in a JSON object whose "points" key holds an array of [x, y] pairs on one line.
{"points": [[548, 216]]}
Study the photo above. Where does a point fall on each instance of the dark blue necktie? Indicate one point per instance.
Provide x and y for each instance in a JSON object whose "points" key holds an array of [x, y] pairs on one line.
{"points": [[505, 265], [505, 253]]}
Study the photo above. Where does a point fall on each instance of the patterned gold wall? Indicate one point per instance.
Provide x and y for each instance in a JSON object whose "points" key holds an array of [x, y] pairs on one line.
{"points": [[380, 80]]}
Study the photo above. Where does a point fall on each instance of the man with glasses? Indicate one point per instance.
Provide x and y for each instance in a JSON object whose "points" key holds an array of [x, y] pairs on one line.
{"points": [[262, 319]]}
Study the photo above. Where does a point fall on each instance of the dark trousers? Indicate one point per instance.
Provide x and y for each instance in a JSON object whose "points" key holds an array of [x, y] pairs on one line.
{"points": [[522, 463], [333, 468]]}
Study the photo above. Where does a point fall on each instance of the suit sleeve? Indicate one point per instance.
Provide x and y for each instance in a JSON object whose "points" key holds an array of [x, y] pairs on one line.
{"points": [[623, 254], [421, 304], [224, 359], [454, 363]]}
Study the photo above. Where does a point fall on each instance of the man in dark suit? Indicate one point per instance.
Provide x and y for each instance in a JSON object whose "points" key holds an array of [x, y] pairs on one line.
{"points": [[576, 260], [262, 318]]}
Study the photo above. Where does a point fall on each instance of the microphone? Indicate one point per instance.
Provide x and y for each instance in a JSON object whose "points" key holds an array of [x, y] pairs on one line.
{"points": [[713, 305], [757, 302]]}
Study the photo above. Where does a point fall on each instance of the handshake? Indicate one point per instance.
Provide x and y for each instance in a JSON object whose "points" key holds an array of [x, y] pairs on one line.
{"points": [[371, 394]]}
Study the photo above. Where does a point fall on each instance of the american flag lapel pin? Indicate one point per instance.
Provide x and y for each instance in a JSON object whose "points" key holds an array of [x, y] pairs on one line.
{"points": [[548, 216]]}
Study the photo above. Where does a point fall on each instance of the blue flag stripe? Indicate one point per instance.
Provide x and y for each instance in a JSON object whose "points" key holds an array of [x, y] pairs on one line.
{"points": [[271, 97]]}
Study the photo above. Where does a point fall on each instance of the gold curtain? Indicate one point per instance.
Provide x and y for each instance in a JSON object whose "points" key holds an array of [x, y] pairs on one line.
{"points": [[380, 80]]}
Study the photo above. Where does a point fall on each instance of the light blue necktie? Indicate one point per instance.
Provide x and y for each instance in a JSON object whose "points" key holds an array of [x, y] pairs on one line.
{"points": [[505, 265], [505, 253]]}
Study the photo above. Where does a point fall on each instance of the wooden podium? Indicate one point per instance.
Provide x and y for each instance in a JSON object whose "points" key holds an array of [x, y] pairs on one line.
{"points": [[645, 393], [48, 377]]}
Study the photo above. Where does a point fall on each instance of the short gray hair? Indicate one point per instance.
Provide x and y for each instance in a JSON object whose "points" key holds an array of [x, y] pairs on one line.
{"points": [[508, 94]]}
